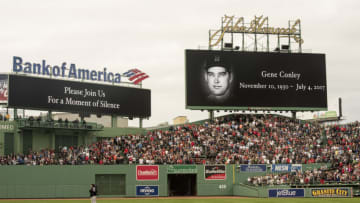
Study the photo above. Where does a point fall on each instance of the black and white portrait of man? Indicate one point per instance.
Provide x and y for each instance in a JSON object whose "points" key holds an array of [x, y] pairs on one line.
{"points": [[218, 79]]}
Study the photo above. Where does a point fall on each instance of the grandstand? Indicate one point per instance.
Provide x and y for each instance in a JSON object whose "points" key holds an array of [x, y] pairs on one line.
{"points": [[252, 153]]}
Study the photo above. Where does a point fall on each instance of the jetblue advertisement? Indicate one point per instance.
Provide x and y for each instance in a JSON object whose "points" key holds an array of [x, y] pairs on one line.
{"points": [[286, 193]]}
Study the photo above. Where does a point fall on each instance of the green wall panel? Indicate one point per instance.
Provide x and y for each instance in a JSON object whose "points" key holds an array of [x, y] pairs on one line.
{"points": [[2, 143], [74, 181]]}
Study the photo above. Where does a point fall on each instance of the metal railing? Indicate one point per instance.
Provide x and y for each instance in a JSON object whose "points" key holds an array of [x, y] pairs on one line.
{"points": [[309, 184], [26, 123]]}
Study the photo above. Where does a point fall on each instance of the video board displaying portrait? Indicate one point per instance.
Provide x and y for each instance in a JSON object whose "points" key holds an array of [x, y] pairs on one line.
{"points": [[255, 80]]}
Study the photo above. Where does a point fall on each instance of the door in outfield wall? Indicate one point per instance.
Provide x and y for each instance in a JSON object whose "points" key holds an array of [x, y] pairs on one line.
{"points": [[182, 184], [9, 143]]}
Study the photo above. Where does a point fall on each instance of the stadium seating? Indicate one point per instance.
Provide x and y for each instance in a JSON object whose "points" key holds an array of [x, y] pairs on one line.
{"points": [[234, 139]]}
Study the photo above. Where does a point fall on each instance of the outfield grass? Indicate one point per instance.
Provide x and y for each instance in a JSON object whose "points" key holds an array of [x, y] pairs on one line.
{"points": [[197, 200]]}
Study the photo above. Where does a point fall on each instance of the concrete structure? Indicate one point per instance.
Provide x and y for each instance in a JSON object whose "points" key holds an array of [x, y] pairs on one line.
{"points": [[179, 120], [20, 136]]}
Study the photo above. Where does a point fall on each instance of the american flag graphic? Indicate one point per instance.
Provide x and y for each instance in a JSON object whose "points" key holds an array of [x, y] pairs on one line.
{"points": [[135, 75]]}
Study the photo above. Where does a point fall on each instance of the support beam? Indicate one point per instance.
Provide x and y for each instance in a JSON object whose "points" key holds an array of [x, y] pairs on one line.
{"points": [[15, 114], [293, 115], [49, 116], [140, 122], [113, 121], [211, 114]]}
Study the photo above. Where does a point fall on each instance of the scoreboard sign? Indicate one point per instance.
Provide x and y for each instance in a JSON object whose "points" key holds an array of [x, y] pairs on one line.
{"points": [[147, 172], [215, 172], [286, 192], [147, 190], [69, 96], [3, 88], [255, 80], [331, 192]]}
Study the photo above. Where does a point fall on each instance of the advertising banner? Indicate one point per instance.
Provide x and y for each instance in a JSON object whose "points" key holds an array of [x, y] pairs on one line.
{"points": [[182, 169], [296, 167], [215, 172], [286, 167], [147, 190], [331, 192], [4, 88], [70, 96], [253, 168], [255, 80], [147, 172], [286, 193]]}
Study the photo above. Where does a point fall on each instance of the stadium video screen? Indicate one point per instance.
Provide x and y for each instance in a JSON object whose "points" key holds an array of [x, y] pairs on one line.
{"points": [[78, 97], [4, 88], [255, 80]]}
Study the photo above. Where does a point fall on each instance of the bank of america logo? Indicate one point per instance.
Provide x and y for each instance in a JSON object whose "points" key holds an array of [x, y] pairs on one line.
{"points": [[135, 76]]}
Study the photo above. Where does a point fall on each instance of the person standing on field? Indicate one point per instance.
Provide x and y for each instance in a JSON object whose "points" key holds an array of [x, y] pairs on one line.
{"points": [[93, 192]]}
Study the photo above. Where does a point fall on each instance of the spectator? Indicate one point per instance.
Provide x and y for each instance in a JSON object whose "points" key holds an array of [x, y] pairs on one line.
{"points": [[235, 139]]}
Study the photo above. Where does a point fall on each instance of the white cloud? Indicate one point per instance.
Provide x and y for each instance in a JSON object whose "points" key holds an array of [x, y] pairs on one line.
{"points": [[152, 36]]}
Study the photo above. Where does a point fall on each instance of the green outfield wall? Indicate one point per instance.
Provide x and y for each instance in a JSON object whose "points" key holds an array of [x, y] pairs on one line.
{"points": [[73, 181]]}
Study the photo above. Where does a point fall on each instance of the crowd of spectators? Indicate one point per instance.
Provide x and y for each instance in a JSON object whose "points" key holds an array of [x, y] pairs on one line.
{"points": [[335, 174], [235, 139], [5, 117]]}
